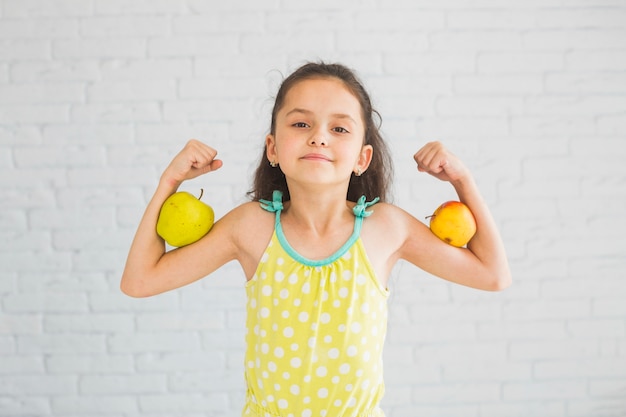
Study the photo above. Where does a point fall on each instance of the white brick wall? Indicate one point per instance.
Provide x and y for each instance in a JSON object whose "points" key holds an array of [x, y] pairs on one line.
{"points": [[97, 95]]}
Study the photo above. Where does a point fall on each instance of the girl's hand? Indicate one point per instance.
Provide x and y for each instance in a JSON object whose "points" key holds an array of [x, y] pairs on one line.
{"points": [[436, 160], [193, 160]]}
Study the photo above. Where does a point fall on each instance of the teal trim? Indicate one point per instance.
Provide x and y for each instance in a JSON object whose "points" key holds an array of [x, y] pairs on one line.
{"points": [[358, 222], [276, 206]]}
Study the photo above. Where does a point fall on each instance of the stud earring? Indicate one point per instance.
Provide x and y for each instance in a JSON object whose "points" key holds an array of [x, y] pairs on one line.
{"points": [[273, 164], [358, 172]]}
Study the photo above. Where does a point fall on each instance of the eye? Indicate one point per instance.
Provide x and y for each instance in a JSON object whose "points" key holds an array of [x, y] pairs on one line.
{"points": [[300, 124], [340, 129]]}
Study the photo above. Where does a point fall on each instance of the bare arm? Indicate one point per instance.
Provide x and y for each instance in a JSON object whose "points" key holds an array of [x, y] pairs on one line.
{"points": [[149, 269], [483, 264]]}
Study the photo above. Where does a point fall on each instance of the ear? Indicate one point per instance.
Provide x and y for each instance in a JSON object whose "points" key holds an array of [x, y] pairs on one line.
{"points": [[365, 158], [270, 147]]}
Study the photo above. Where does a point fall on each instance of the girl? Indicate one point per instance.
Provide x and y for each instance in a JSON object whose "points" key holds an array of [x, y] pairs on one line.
{"points": [[315, 249]]}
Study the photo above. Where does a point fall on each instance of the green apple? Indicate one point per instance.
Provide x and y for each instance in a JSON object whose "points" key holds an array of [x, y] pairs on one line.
{"points": [[184, 219]]}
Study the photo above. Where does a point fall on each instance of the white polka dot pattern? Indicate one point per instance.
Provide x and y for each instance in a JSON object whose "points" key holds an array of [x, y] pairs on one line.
{"points": [[315, 337]]}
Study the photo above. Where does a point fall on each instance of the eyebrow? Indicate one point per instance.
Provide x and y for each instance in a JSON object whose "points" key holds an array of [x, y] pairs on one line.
{"points": [[308, 112]]}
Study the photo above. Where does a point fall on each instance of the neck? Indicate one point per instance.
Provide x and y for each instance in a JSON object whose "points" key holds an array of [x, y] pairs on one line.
{"points": [[318, 209]]}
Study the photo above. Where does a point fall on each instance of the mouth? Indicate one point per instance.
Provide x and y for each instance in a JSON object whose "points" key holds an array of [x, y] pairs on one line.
{"points": [[316, 157]]}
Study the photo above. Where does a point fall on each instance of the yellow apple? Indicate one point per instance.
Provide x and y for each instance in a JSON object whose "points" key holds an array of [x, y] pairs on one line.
{"points": [[184, 219], [454, 223]]}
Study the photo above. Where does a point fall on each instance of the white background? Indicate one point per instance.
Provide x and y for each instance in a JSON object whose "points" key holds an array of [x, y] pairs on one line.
{"points": [[96, 96]]}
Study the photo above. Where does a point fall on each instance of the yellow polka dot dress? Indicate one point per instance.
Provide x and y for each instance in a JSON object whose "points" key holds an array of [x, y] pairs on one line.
{"points": [[315, 331]]}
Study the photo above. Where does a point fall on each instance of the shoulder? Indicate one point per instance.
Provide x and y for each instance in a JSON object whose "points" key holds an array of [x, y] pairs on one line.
{"points": [[395, 227], [248, 216]]}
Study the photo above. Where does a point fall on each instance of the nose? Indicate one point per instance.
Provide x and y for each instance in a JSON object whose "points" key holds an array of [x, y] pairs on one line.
{"points": [[318, 139]]}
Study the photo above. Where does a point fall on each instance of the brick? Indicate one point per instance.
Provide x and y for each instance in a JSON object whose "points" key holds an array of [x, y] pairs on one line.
{"points": [[38, 28], [580, 368], [134, 69], [546, 408], [551, 390], [29, 8], [212, 88], [501, 40], [25, 406], [182, 46], [174, 136], [181, 361], [62, 283], [57, 71], [478, 392], [499, 85], [422, 333], [140, 7], [180, 321], [101, 363], [213, 110], [479, 106], [91, 240], [153, 342], [99, 48], [79, 133], [393, 42], [46, 261], [90, 323], [122, 384], [38, 385], [24, 49], [20, 324], [7, 345], [184, 403], [598, 83], [556, 349], [492, 19], [595, 60], [222, 22], [429, 63], [52, 157], [214, 381], [519, 62], [39, 303], [486, 370], [34, 113], [574, 39], [21, 365], [125, 26], [62, 343], [440, 127], [229, 65], [81, 177], [137, 90], [26, 198], [75, 219], [389, 20], [79, 405], [13, 220], [29, 241]]}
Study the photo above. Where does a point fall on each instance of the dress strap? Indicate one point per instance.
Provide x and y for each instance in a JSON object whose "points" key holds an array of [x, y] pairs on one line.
{"points": [[274, 206], [361, 205]]}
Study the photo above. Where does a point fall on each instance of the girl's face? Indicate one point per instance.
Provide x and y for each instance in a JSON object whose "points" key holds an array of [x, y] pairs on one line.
{"points": [[319, 134]]}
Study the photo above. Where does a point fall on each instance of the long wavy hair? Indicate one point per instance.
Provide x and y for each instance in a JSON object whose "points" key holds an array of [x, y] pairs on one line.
{"points": [[374, 182]]}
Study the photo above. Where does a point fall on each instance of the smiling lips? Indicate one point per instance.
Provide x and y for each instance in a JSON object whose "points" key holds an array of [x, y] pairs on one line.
{"points": [[316, 157]]}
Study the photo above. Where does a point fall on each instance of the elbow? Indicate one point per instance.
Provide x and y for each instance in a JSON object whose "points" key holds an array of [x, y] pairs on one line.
{"points": [[133, 289], [500, 282]]}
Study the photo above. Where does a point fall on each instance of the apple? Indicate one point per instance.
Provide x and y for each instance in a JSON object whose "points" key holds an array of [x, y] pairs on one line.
{"points": [[454, 223], [184, 219]]}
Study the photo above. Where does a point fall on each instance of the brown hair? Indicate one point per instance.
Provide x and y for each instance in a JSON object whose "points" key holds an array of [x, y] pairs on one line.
{"points": [[374, 181]]}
